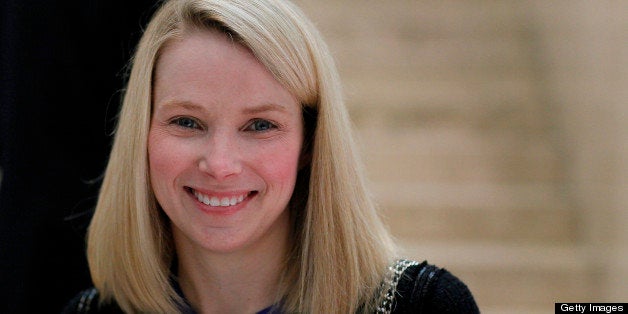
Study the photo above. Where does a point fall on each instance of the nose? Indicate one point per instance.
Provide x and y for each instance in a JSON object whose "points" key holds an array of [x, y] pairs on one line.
{"points": [[220, 158]]}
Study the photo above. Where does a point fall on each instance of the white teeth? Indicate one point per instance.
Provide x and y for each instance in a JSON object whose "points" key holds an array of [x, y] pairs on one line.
{"points": [[224, 201], [215, 201]]}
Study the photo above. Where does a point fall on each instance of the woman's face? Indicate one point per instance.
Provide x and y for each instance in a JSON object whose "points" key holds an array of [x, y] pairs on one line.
{"points": [[224, 145]]}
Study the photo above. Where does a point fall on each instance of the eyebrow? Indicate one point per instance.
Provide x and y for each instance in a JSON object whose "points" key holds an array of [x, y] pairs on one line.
{"points": [[265, 108], [182, 104], [248, 110]]}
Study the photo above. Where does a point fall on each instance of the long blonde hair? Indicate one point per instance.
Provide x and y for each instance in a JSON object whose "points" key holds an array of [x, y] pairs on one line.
{"points": [[341, 248]]}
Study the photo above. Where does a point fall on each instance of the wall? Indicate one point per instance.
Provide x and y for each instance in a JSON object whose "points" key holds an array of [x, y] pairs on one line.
{"points": [[494, 135]]}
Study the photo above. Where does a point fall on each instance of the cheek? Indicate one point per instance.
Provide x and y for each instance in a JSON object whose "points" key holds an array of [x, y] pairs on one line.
{"points": [[164, 161], [280, 164]]}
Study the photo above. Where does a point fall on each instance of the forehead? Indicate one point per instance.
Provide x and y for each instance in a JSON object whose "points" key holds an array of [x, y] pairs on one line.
{"points": [[203, 52], [208, 66]]}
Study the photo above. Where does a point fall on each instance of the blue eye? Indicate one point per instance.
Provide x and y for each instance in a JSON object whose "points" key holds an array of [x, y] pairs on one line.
{"points": [[261, 125], [185, 122]]}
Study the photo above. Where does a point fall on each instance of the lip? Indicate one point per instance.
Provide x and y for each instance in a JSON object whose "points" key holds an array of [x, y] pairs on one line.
{"points": [[221, 210]]}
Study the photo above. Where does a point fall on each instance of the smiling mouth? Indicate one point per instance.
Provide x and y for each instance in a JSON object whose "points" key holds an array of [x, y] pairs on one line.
{"points": [[220, 201]]}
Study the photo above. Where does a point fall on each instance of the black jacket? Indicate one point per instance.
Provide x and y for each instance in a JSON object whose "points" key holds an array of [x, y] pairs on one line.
{"points": [[422, 288]]}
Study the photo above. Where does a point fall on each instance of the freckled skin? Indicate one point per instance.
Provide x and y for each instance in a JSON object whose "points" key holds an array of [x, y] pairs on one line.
{"points": [[212, 102]]}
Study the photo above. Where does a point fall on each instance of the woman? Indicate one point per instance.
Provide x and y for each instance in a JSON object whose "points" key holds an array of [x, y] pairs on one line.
{"points": [[232, 185]]}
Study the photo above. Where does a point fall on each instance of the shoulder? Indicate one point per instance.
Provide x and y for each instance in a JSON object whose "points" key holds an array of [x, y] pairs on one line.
{"points": [[87, 301], [425, 288]]}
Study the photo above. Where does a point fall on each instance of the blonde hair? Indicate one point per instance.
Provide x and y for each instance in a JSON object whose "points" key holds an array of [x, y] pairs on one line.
{"points": [[341, 248]]}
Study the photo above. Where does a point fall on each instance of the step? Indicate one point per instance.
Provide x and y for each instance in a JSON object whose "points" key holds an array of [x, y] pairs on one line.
{"points": [[431, 18], [441, 167], [532, 213], [434, 57], [459, 154], [513, 278], [473, 195], [542, 225], [393, 91]]}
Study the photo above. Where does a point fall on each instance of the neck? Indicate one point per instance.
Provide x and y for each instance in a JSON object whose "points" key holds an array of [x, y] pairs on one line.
{"points": [[244, 281]]}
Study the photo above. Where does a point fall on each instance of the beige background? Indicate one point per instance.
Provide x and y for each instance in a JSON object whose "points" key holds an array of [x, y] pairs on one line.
{"points": [[495, 137]]}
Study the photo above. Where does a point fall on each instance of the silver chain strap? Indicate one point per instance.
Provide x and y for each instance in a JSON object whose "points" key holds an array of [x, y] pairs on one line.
{"points": [[389, 286]]}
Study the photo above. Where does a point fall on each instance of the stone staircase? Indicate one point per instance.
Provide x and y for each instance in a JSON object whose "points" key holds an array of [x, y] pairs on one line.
{"points": [[460, 145]]}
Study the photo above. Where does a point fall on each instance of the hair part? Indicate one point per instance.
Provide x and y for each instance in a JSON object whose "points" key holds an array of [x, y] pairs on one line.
{"points": [[341, 248]]}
